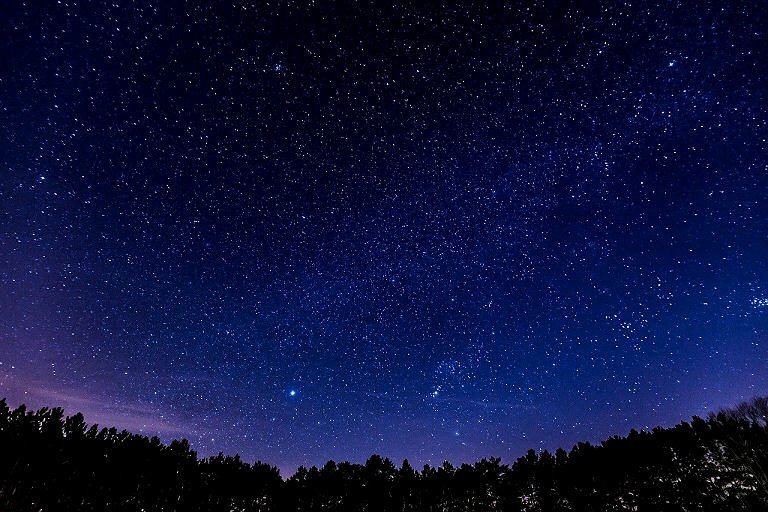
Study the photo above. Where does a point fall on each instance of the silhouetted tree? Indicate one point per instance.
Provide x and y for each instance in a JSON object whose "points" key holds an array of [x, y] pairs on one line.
{"points": [[52, 463]]}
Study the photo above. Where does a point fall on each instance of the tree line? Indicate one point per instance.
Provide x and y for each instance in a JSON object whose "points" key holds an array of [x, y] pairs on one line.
{"points": [[50, 462]]}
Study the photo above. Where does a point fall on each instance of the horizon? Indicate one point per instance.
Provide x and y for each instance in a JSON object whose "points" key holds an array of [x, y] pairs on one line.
{"points": [[166, 438]]}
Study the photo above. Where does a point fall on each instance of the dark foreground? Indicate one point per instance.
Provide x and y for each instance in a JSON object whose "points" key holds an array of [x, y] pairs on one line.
{"points": [[52, 463]]}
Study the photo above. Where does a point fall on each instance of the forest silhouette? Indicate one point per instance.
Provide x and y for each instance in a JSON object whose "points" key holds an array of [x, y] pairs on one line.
{"points": [[51, 462]]}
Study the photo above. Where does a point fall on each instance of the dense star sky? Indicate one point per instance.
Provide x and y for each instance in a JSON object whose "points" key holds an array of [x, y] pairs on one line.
{"points": [[311, 230]]}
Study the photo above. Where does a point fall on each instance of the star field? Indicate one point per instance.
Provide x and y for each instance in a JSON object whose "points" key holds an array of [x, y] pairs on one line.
{"points": [[307, 230]]}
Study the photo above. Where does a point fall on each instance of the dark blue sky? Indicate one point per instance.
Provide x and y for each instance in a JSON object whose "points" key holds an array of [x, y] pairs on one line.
{"points": [[310, 230]]}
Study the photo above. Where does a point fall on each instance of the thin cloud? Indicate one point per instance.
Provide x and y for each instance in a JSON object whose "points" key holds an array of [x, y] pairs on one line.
{"points": [[138, 418]]}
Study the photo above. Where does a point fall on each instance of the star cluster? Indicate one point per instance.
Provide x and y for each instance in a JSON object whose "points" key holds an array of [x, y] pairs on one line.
{"points": [[317, 230]]}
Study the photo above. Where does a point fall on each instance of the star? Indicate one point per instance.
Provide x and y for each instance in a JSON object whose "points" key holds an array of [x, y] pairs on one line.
{"points": [[413, 215]]}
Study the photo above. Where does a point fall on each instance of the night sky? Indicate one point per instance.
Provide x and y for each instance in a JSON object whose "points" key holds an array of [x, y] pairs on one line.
{"points": [[310, 230]]}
